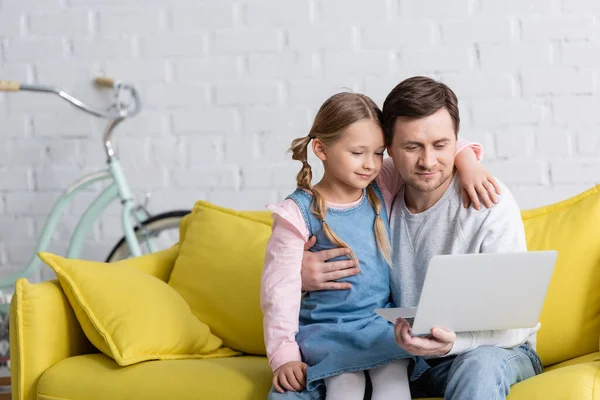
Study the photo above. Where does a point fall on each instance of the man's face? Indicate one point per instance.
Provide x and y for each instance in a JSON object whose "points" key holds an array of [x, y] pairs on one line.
{"points": [[423, 150]]}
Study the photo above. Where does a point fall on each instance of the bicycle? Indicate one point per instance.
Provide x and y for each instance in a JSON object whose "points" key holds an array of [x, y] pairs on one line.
{"points": [[143, 232]]}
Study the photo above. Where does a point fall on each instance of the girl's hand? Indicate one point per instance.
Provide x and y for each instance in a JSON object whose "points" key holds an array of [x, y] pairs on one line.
{"points": [[476, 181], [290, 376]]}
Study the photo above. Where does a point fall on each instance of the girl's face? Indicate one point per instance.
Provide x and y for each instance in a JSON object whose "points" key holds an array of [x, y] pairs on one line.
{"points": [[355, 159]]}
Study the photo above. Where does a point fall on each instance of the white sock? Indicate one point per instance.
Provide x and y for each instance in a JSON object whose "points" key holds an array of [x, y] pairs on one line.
{"points": [[347, 386], [390, 381]]}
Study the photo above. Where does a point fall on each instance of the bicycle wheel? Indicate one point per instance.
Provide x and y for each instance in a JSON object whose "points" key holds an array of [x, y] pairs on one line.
{"points": [[162, 229]]}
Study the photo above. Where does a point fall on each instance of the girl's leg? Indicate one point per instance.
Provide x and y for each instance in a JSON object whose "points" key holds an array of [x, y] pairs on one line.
{"points": [[391, 381], [347, 386]]}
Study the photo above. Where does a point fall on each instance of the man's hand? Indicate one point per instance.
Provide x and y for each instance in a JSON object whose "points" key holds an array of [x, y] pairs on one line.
{"points": [[320, 275], [290, 376], [438, 344]]}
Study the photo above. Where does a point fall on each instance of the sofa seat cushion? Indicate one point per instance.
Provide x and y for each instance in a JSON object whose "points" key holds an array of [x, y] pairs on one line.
{"points": [[98, 377], [579, 360]]}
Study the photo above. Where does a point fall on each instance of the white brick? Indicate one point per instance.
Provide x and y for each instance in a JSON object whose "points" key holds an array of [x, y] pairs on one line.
{"points": [[580, 54], [11, 24], [175, 95], [246, 40], [150, 178], [209, 69], [266, 177], [316, 38], [26, 50], [19, 253], [276, 120], [133, 152], [435, 9], [93, 153], [12, 5], [30, 203], [352, 11], [169, 150], [63, 73], [15, 179], [438, 58], [519, 171], [278, 13], [206, 150], [370, 62], [64, 125], [583, 6], [221, 177], [16, 227], [205, 120], [398, 33], [283, 65], [481, 84], [199, 18], [65, 22], [115, 22], [588, 143], [537, 196], [314, 92], [519, 7], [20, 152], [575, 171], [241, 150], [553, 142], [506, 112], [57, 178], [557, 28], [274, 147], [64, 228], [137, 70], [15, 125], [102, 48], [253, 199], [15, 72], [558, 81], [515, 56], [250, 93], [480, 30], [62, 152], [515, 142], [148, 123], [582, 109], [163, 46]]}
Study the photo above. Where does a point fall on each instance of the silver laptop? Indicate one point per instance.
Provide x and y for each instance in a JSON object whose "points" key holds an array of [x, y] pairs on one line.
{"points": [[474, 292]]}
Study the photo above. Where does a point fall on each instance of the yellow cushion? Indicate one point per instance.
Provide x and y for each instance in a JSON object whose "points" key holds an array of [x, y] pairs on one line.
{"points": [[218, 272], [130, 315], [571, 313], [97, 377]]}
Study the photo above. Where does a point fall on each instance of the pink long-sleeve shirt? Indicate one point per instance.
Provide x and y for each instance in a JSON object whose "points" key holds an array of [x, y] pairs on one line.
{"points": [[281, 287]]}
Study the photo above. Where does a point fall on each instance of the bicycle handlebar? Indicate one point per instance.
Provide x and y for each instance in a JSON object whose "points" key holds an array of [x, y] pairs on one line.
{"points": [[9, 86], [121, 109]]}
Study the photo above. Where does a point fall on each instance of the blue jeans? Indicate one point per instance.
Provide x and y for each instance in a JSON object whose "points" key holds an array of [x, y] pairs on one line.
{"points": [[484, 373]]}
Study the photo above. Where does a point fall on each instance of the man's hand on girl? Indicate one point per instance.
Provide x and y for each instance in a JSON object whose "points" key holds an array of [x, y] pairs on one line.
{"points": [[290, 376], [439, 343], [317, 274]]}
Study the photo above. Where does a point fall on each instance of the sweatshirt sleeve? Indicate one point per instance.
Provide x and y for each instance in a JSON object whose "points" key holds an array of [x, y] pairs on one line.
{"points": [[503, 232], [281, 283]]}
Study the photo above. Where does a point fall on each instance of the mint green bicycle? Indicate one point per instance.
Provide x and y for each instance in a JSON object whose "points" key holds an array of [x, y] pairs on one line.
{"points": [[143, 232]]}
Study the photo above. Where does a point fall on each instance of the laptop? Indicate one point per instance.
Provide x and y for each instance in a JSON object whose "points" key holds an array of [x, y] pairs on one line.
{"points": [[475, 292]]}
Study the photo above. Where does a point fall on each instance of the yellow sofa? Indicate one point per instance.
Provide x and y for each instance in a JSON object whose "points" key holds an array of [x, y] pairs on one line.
{"points": [[53, 360]]}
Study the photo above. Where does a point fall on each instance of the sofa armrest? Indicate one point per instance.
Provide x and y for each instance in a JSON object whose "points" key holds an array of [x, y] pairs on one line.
{"points": [[43, 331]]}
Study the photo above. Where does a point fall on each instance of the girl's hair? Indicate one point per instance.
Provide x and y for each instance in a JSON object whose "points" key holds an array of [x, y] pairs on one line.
{"points": [[336, 114]]}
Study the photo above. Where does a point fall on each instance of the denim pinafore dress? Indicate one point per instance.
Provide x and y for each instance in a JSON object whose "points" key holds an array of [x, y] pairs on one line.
{"points": [[339, 330]]}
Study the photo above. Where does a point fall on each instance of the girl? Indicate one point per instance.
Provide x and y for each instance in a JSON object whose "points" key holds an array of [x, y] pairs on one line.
{"points": [[338, 336]]}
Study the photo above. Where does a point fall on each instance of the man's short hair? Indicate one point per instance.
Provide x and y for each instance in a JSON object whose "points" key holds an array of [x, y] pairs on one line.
{"points": [[418, 97]]}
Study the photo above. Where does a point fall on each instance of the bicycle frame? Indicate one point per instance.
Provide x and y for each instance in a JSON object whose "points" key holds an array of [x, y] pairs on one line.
{"points": [[118, 188]]}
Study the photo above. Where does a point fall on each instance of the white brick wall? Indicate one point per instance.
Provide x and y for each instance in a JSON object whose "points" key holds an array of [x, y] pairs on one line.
{"points": [[227, 84]]}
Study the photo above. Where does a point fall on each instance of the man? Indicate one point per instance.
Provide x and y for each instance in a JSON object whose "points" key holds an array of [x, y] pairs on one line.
{"points": [[421, 123]]}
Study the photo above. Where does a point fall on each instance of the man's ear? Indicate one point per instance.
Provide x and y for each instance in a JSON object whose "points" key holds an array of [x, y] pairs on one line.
{"points": [[319, 149]]}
